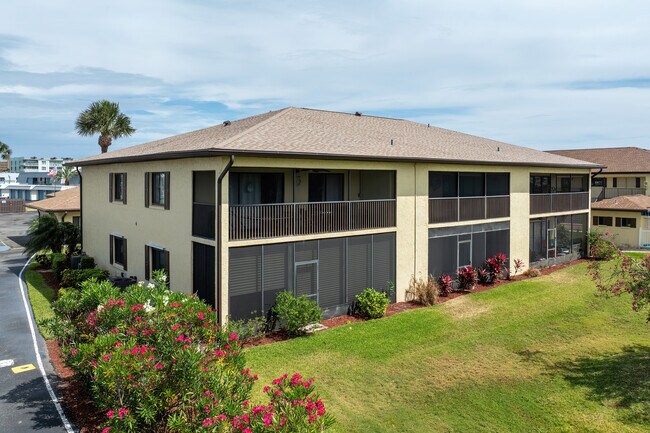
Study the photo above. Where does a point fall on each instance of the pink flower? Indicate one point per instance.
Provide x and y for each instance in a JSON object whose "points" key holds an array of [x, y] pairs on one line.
{"points": [[110, 414], [200, 315], [175, 327], [207, 422], [233, 337], [158, 366], [122, 412], [106, 430]]}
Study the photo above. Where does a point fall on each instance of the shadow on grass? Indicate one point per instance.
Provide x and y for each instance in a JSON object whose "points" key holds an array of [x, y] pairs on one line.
{"points": [[37, 281], [620, 380]]}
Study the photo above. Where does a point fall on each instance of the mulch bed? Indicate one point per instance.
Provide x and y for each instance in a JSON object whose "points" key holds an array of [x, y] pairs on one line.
{"points": [[77, 401]]}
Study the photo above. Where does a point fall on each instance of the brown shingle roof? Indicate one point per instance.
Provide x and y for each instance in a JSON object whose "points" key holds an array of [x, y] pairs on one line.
{"points": [[625, 202], [308, 133], [616, 159], [64, 200]]}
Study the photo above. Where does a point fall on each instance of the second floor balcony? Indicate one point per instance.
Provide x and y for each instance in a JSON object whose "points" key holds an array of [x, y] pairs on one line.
{"points": [[260, 221], [601, 193], [442, 210], [558, 202]]}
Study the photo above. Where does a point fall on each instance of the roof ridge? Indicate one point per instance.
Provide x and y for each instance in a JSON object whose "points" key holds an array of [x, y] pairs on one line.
{"points": [[246, 131], [597, 148]]}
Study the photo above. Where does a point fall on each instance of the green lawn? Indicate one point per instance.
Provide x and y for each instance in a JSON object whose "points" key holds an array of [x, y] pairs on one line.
{"points": [[539, 355], [40, 296], [636, 255]]}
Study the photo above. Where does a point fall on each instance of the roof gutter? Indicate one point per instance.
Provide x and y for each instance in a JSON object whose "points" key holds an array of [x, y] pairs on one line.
{"points": [[218, 233], [600, 170], [302, 155]]}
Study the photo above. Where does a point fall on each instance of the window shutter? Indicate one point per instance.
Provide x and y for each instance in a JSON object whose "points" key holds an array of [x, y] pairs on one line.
{"points": [[618, 222], [110, 247], [125, 250], [124, 188], [167, 267], [594, 220], [147, 176], [111, 182], [167, 188], [147, 266]]}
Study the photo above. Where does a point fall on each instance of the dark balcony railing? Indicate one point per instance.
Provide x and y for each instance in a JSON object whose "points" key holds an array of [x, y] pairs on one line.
{"points": [[444, 210], [203, 220], [292, 219], [558, 202], [600, 193]]}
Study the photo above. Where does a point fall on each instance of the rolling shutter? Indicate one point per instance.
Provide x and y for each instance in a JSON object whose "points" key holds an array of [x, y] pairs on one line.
{"points": [[111, 182], [147, 182], [331, 284], [383, 261], [124, 188], [359, 265], [167, 189]]}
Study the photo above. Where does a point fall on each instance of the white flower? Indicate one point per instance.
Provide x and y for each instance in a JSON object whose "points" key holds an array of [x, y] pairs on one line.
{"points": [[164, 278], [148, 307], [100, 308], [140, 283], [150, 286], [165, 300]]}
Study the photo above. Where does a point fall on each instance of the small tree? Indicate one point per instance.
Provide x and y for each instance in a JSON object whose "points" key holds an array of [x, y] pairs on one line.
{"points": [[624, 275], [5, 151], [65, 174], [46, 232]]}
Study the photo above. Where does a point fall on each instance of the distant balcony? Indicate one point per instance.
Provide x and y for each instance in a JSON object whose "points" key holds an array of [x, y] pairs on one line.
{"points": [[263, 221], [453, 209], [558, 202], [600, 193]]}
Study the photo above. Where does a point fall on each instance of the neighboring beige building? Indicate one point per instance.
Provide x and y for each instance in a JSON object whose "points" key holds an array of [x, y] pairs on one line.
{"points": [[619, 192], [325, 204], [625, 170], [63, 204], [626, 218]]}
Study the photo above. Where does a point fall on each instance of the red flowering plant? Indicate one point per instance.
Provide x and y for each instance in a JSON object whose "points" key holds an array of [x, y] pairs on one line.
{"points": [[445, 285], [497, 265], [466, 277], [624, 275], [158, 360], [518, 265], [601, 245]]}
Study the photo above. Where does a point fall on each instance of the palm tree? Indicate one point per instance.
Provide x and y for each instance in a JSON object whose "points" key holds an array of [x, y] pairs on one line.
{"points": [[46, 232], [65, 174], [104, 117], [5, 151]]}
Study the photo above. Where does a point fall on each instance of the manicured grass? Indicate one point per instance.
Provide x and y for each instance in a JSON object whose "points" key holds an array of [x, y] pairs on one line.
{"points": [[539, 355], [636, 255], [40, 296]]}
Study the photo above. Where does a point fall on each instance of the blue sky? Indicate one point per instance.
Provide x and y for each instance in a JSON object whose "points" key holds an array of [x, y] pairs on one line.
{"points": [[549, 75]]}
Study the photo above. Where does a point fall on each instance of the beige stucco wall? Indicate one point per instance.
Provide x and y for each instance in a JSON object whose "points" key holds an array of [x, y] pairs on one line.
{"points": [[172, 228], [624, 237]]}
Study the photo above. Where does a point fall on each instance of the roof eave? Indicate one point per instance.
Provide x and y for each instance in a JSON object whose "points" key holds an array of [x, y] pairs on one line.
{"points": [[225, 152]]}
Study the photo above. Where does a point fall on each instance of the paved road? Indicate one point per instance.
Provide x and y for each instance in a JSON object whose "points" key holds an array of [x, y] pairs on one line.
{"points": [[25, 405]]}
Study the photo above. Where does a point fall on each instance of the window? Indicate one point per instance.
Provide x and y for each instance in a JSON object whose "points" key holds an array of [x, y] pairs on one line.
{"points": [[156, 189], [76, 221], [325, 187], [602, 221], [203, 203], [117, 253], [155, 258], [626, 222], [497, 184], [637, 183], [443, 184], [599, 181], [256, 188], [615, 182], [471, 184], [117, 188]]}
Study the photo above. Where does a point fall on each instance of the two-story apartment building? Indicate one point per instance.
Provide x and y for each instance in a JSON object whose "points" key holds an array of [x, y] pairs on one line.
{"points": [[619, 192], [325, 204]]}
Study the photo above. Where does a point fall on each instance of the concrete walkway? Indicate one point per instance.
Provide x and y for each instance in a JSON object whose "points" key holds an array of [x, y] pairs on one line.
{"points": [[26, 404]]}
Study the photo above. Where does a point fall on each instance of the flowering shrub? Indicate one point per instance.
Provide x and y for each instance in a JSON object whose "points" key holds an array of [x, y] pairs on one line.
{"points": [[294, 313], [601, 246], [372, 304], [422, 291], [466, 277], [157, 360], [626, 275], [445, 285]]}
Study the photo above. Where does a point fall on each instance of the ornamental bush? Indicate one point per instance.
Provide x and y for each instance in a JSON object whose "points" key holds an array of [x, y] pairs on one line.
{"points": [[601, 245], [466, 277], [59, 263], [372, 304], [497, 265], [423, 291], [87, 262], [74, 277], [294, 313], [445, 284], [157, 360]]}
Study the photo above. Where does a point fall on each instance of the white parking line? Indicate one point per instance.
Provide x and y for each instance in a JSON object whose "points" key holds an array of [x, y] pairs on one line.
{"points": [[6, 363], [39, 361]]}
